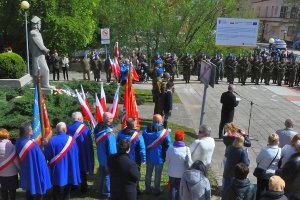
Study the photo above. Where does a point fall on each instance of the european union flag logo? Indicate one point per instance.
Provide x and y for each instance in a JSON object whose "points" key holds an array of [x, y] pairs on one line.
{"points": [[36, 125], [255, 23]]}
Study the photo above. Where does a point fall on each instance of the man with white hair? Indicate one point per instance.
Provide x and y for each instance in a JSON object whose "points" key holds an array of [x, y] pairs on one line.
{"points": [[82, 134], [106, 146], [203, 148], [286, 134], [229, 102], [62, 154]]}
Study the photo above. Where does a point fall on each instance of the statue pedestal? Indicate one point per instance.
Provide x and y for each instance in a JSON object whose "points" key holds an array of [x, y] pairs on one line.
{"points": [[46, 91], [16, 82]]}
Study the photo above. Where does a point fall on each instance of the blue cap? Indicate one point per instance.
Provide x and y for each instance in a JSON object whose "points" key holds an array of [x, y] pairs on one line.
{"points": [[158, 62], [156, 53], [159, 70]]}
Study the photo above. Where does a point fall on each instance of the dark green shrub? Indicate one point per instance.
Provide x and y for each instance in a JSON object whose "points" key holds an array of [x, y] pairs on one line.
{"points": [[12, 66]]}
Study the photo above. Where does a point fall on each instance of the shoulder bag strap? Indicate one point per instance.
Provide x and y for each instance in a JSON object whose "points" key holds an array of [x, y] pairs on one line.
{"points": [[273, 159], [195, 149]]}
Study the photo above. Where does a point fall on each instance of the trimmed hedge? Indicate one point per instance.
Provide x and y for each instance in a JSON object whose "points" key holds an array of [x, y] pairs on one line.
{"points": [[12, 66]]}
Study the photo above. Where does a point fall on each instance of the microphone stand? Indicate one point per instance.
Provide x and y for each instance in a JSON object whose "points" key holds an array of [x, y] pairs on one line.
{"points": [[250, 115]]}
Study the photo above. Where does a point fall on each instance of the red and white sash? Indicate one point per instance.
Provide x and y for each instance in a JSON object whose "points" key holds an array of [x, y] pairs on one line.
{"points": [[8, 160], [63, 152], [103, 136], [134, 136], [158, 140], [79, 130], [25, 149]]}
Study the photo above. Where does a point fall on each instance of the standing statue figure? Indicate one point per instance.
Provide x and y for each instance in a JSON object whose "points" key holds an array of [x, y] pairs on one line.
{"points": [[38, 52]]}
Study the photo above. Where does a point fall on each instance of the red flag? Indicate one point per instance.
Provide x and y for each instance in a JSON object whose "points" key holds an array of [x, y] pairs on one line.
{"points": [[134, 73], [87, 117], [130, 106], [103, 98], [116, 48], [86, 110], [99, 110], [48, 130], [114, 108]]}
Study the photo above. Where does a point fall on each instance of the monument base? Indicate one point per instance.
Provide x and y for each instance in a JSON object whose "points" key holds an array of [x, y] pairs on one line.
{"points": [[46, 91], [18, 83]]}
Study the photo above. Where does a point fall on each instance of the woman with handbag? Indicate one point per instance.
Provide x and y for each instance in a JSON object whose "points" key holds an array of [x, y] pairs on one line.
{"points": [[267, 163], [178, 159]]}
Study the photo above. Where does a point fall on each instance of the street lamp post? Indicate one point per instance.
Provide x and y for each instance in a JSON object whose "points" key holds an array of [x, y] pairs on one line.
{"points": [[25, 6]]}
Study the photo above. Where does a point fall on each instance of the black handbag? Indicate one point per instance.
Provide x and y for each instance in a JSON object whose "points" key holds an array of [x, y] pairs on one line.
{"points": [[261, 173]]}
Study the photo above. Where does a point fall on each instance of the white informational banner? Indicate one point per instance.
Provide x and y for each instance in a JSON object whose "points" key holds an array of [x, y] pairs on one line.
{"points": [[234, 32], [105, 36]]}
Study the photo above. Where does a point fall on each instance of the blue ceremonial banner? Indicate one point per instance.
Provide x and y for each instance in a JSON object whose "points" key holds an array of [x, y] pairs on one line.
{"points": [[36, 125]]}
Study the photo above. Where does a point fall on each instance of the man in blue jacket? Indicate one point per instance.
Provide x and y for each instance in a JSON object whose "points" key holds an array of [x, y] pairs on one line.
{"points": [[34, 174], [106, 146], [62, 154], [137, 151], [82, 135], [124, 71], [157, 141]]}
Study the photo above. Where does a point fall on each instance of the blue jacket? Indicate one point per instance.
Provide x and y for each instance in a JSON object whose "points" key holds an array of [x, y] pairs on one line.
{"points": [[137, 149], [108, 146], [34, 174], [66, 171], [156, 155], [124, 69], [234, 156], [85, 147]]}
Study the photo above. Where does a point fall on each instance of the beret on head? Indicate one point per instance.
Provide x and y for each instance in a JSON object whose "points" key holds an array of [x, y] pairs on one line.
{"points": [[276, 184], [158, 62], [179, 135], [159, 70]]}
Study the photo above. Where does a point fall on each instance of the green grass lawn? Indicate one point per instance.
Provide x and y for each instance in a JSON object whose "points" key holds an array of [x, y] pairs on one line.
{"points": [[94, 180], [147, 94]]}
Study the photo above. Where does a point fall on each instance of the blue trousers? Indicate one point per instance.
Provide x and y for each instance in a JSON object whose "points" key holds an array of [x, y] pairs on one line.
{"points": [[174, 188], [157, 177], [104, 181]]}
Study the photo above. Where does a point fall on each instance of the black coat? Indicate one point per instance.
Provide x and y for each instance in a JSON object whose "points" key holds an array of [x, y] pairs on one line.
{"points": [[240, 189], [228, 100], [124, 175], [271, 195]]}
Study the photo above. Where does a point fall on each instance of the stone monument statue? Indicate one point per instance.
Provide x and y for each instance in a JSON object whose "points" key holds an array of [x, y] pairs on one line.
{"points": [[38, 52]]}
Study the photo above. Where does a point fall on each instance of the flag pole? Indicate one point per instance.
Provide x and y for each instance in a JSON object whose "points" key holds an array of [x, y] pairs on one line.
{"points": [[41, 108]]}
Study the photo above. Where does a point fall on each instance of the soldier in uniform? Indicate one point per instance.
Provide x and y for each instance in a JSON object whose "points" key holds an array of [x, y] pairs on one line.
{"points": [[281, 71], [238, 67], [268, 68], [292, 73], [287, 71], [107, 68], [257, 70], [168, 66], [245, 67], [175, 64], [96, 66], [216, 60], [252, 71], [188, 63], [275, 69], [231, 69]]}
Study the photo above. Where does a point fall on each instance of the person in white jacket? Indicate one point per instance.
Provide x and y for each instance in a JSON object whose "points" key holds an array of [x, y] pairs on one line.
{"points": [[203, 148], [178, 159], [9, 167]]}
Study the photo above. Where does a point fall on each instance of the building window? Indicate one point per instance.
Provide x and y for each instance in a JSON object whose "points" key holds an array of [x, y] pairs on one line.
{"points": [[272, 11], [258, 13], [276, 11], [267, 10], [294, 13], [283, 12]]}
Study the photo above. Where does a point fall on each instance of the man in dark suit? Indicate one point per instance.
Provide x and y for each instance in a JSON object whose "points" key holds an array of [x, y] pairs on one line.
{"points": [[229, 101], [124, 173]]}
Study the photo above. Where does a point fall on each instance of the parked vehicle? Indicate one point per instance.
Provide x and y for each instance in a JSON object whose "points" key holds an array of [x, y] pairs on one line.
{"points": [[296, 44], [279, 44]]}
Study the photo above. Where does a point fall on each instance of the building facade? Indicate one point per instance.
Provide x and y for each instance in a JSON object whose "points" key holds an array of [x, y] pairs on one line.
{"points": [[278, 18]]}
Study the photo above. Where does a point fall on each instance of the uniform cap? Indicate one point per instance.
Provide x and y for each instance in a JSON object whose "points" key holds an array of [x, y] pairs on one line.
{"points": [[158, 62], [35, 20], [160, 70]]}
